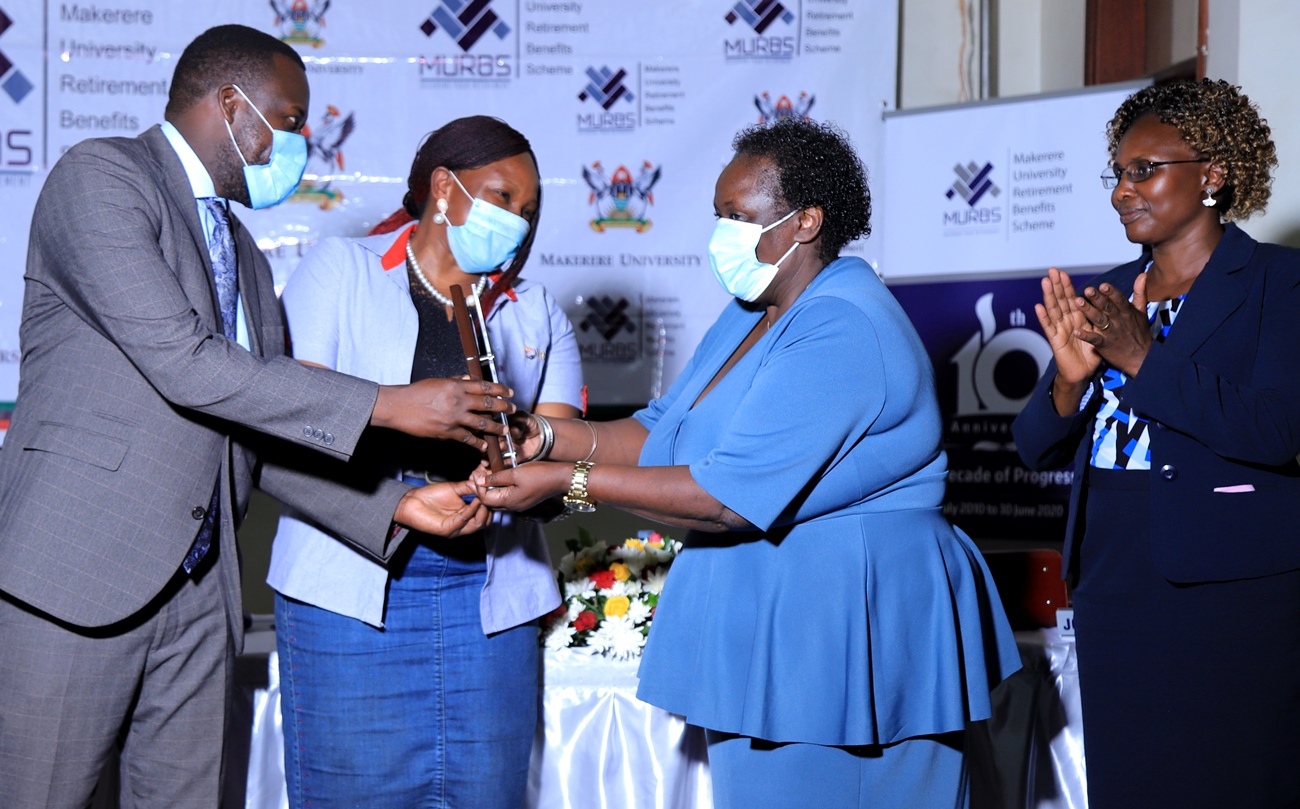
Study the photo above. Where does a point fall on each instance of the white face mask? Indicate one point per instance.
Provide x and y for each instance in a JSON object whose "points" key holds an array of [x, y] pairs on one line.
{"points": [[733, 255]]}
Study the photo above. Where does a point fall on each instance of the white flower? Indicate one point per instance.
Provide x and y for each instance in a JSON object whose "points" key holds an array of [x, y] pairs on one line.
{"points": [[580, 588], [629, 588], [567, 565], [618, 638], [623, 553], [575, 609], [560, 636], [638, 611], [654, 582]]}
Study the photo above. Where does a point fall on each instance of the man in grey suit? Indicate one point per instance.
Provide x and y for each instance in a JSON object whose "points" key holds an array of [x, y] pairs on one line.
{"points": [[153, 384]]}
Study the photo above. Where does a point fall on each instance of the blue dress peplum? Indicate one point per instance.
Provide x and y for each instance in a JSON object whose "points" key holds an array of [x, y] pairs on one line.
{"points": [[855, 614]]}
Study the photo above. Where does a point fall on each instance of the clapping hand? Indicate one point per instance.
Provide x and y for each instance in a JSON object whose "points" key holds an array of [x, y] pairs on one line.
{"points": [[1118, 331], [1065, 326]]}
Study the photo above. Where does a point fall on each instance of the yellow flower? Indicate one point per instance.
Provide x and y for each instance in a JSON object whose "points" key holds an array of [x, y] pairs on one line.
{"points": [[616, 606], [635, 544], [620, 571], [583, 565]]}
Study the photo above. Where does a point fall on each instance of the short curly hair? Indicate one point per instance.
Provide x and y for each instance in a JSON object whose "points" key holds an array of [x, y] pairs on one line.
{"points": [[1216, 119], [816, 168]]}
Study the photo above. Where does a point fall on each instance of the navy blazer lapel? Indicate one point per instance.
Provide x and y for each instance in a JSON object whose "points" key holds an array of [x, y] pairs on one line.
{"points": [[1218, 291], [197, 280]]}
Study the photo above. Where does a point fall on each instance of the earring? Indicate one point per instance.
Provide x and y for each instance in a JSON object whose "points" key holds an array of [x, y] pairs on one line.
{"points": [[1209, 200], [440, 218]]}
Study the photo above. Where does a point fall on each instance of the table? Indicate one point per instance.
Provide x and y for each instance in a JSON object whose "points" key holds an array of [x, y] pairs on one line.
{"points": [[599, 747]]}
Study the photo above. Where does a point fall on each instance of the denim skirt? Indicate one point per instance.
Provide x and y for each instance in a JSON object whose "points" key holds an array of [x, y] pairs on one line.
{"points": [[425, 712]]}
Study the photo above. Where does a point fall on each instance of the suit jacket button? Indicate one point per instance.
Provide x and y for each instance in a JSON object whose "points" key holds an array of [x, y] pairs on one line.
{"points": [[329, 438], [318, 433], [199, 512], [306, 431], [1159, 425], [1169, 472]]}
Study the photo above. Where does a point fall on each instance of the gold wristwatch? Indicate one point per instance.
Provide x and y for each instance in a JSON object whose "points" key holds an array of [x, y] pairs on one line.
{"points": [[578, 499]]}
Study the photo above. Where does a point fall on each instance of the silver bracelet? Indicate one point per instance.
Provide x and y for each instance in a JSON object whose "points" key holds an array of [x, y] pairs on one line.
{"points": [[548, 438], [595, 439]]}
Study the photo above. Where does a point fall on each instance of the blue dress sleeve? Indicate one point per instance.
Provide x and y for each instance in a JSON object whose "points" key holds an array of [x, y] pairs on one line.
{"points": [[796, 421]]}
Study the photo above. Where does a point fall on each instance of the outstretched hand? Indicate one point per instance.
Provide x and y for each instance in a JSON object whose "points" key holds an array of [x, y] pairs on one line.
{"points": [[1119, 331], [440, 509], [461, 410], [523, 487]]}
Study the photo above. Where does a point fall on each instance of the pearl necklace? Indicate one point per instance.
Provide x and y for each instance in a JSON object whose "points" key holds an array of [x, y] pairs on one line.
{"points": [[428, 285]]}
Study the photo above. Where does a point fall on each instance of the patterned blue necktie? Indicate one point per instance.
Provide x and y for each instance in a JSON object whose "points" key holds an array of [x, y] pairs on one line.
{"points": [[221, 249]]}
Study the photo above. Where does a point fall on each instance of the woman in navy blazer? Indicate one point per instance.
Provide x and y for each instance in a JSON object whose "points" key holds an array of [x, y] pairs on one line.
{"points": [[1175, 390]]}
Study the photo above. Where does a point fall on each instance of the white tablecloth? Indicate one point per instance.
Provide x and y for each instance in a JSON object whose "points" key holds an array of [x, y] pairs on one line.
{"points": [[598, 746]]}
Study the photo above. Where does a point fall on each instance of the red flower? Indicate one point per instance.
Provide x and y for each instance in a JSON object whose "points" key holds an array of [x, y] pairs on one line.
{"points": [[586, 620], [604, 579]]}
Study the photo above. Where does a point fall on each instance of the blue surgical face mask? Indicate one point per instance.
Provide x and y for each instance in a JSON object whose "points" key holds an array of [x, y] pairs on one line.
{"points": [[272, 183], [732, 253], [489, 238]]}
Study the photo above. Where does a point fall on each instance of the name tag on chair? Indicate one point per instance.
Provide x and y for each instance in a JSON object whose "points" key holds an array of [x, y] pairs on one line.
{"points": [[1065, 622]]}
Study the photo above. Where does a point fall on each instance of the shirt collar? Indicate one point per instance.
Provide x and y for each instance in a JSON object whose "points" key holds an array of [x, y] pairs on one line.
{"points": [[195, 171]]}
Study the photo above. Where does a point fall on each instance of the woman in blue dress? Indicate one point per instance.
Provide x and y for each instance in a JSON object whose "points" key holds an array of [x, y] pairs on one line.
{"points": [[824, 623]]}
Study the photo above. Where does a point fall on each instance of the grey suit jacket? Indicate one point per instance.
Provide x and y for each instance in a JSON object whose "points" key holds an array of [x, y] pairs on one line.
{"points": [[131, 405]]}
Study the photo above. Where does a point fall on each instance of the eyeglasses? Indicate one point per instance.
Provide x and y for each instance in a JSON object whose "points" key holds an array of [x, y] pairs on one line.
{"points": [[1140, 170]]}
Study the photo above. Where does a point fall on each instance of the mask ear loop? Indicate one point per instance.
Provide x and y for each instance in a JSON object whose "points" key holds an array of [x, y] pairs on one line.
{"points": [[462, 187], [774, 224], [231, 132], [787, 255]]}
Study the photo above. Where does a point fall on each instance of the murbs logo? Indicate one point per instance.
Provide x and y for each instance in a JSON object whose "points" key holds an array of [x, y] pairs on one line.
{"points": [[973, 183], [325, 158], [605, 89], [299, 21], [465, 22], [483, 35], [12, 80], [18, 125], [770, 22], [608, 331], [621, 202], [783, 107]]}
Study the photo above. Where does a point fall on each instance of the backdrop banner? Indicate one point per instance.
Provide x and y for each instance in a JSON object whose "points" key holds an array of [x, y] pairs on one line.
{"points": [[1000, 187], [980, 217], [630, 107]]}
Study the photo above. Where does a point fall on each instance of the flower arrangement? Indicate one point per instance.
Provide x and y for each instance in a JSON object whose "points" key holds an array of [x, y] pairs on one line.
{"points": [[610, 593]]}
